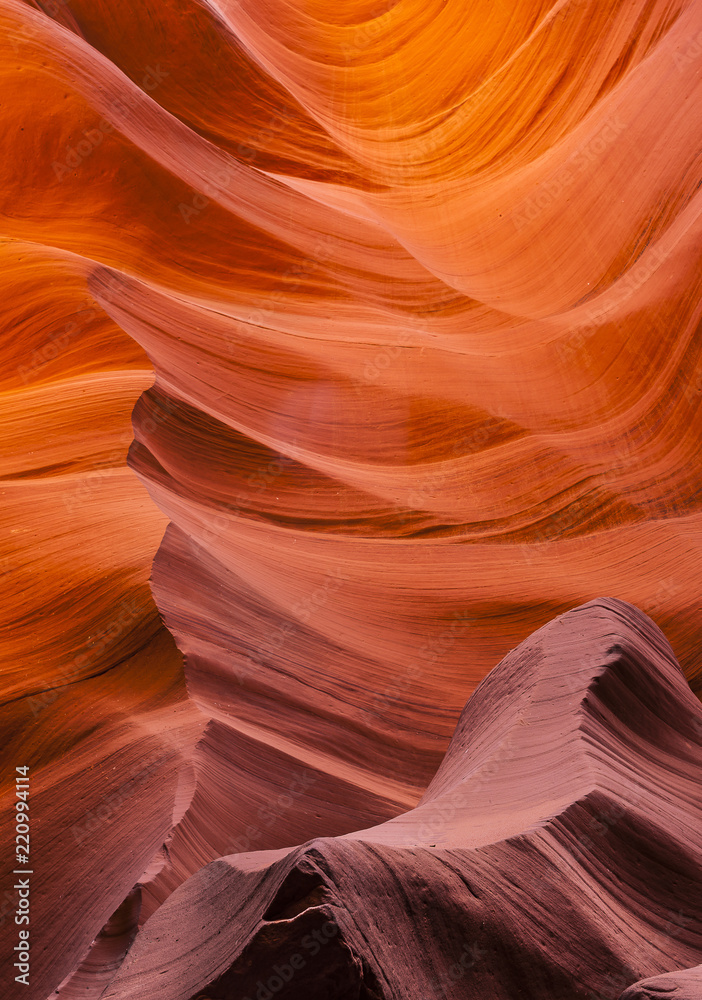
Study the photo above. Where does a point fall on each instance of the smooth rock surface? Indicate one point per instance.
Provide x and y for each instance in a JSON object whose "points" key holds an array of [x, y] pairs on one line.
{"points": [[683, 985]]}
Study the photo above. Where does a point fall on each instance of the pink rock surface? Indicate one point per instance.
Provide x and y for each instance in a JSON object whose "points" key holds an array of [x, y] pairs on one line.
{"points": [[684, 985], [556, 852]]}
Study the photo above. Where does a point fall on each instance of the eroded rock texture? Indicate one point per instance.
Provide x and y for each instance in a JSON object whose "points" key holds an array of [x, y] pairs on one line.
{"points": [[92, 687], [684, 985], [555, 853], [419, 283]]}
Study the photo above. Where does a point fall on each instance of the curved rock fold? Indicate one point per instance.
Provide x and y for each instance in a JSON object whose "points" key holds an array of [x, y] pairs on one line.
{"points": [[556, 851]]}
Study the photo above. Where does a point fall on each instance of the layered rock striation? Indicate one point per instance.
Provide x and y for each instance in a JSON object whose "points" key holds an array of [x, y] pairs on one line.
{"points": [[409, 296], [556, 853]]}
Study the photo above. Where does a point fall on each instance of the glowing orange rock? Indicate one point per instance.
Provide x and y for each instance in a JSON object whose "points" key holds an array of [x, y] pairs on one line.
{"points": [[420, 285]]}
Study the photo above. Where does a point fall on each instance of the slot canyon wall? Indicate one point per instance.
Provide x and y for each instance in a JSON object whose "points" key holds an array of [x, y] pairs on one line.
{"points": [[344, 347]]}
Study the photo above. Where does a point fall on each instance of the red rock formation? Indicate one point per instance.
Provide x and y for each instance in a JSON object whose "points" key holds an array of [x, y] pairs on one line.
{"points": [[684, 985], [420, 286], [93, 695], [555, 852]]}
